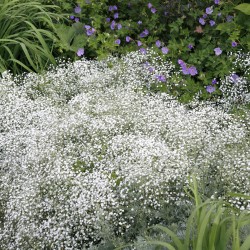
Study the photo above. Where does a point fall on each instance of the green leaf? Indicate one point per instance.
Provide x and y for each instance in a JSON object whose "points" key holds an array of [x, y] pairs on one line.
{"points": [[244, 7]]}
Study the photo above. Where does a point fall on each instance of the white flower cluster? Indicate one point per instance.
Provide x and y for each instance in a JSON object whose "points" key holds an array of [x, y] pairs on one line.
{"points": [[236, 89], [82, 148]]}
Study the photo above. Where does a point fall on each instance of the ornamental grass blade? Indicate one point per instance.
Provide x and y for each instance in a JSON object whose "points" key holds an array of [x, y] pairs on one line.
{"points": [[162, 243], [246, 244], [174, 237]]}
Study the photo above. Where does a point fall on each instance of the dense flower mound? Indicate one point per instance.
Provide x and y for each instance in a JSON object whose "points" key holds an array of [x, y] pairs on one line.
{"points": [[85, 151]]}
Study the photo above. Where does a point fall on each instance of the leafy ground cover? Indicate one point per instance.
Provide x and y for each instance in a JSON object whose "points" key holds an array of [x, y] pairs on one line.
{"points": [[89, 159]]}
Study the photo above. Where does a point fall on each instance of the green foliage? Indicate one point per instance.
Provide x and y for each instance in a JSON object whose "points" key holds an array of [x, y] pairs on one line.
{"points": [[244, 7], [26, 35], [213, 224], [175, 24]]}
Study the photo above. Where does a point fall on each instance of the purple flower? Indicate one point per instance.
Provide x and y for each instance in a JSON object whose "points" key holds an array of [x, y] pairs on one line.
{"points": [[77, 19], [90, 32], [212, 23], [143, 51], [78, 9], [111, 8], [210, 89], [118, 41], [209, 10], [192, 71], [72, 17], [190, 46], [139, 22], [184, 69], [112, 25], [234, 77], [234, 44], [158, 43], [144, 33], [181, 62], [216, 1], [128, 39], [151, 69], [87, 27], [107, 19], [229, 18], [202, 21], [204, 16], [214, 81], [80, 52], [217, 51], [164, 50], [119, 26], [150, 5], [161, 78], [116, 15], [153, 10], [139, 43]]}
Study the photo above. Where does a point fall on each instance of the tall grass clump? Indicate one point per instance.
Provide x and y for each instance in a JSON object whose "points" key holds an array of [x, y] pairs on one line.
{"points": [[89, 157], [213, 224], [27, 35]]}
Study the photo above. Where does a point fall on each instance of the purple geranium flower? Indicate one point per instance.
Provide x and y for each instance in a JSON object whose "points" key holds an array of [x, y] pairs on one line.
{"points": [[116, 15], [90, 32], [190, 46], [139, 22], [151, 69], [118, 41], [234, 77], [77, 19], [80, 52], [119, 26], [153, 10], [210, 89], [216, 1], [164, 50], [107, 19], [128, 39], [114, 7], [143, 51], [209, 10], [184, 69], [181, 62], [144, 33], [192, 71], [158, 43], [77, 9], [202, 21], [139, 43], [72, 17], [234, 44], [161, 78], [112, 25], [150, 5], [212, 23], [214, 81], [204, 15], [87, 27], [217, 51]]}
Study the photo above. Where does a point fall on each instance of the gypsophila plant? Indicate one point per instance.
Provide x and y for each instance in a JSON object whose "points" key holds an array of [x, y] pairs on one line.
{"points": [[87, 156]]}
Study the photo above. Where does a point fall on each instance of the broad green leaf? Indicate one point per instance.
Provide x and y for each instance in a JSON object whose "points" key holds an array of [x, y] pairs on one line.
{"points": [[244, 7]]}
